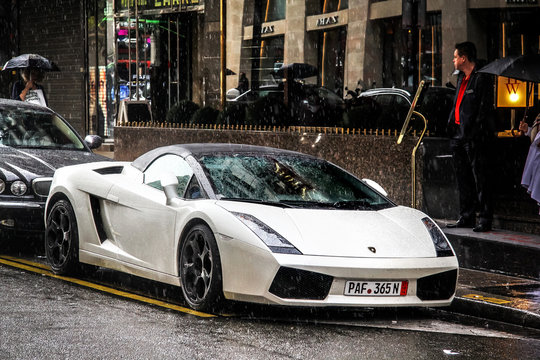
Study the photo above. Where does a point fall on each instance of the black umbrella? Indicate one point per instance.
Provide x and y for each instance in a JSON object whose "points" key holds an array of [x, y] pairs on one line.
{"points": [[30, 61], [297, 70], [522, 67]]}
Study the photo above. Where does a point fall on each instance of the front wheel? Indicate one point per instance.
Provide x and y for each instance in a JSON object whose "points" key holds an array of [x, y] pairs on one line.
{"points": [[200, 269], [62, 239]]}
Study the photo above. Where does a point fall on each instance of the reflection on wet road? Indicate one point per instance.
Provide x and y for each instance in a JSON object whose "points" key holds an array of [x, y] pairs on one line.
{"points": [[170, 297], [44, 270], [45, 316]]}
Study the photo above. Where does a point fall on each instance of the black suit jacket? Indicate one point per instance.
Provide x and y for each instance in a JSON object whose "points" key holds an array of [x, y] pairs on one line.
{"points": [[476, 112]]}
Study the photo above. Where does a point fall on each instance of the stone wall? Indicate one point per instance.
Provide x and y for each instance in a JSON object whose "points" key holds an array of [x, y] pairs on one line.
{"points": [[367, 156]]}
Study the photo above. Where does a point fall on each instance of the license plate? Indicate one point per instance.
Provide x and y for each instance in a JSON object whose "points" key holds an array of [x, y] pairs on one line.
{"points": [[376, 288]]}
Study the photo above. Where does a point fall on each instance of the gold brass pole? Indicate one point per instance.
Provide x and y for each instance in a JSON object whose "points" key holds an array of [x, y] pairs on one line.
{"points": [[413, 161]]}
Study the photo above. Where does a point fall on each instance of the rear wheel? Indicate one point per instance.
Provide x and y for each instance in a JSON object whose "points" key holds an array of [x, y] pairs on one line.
{"points": [[62, 239], [200, 269]]}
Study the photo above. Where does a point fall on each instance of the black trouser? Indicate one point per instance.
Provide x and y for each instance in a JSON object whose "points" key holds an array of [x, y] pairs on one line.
{"points": [[472, 164]]}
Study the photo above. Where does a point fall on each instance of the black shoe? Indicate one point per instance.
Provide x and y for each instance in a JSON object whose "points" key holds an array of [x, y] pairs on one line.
{"points": [[482, 227], [461, 223]]}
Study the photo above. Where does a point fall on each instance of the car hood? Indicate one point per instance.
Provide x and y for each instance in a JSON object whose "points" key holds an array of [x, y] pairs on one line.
{"points": [[394, 232], [29, 164]]}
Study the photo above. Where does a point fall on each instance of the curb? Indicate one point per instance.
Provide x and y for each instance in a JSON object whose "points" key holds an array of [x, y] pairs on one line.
{"points": [[496, 312]]}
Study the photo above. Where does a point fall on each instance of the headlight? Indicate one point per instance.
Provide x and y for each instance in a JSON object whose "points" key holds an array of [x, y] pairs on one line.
{"points": [[18, 188], [2, 186], [271, 238], [442, 246]]}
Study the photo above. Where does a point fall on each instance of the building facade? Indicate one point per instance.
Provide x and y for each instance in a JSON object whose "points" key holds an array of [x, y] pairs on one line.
{"points": [[161, 52], [377, 43]]}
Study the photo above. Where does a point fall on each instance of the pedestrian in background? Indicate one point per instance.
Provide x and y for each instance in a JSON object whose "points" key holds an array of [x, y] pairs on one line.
{"points": [[531, 172], [28, 88], [472, 131], [243, 83]]}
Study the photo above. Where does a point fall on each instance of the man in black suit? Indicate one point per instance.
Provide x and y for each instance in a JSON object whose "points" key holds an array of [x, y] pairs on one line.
{"points": [[471, 129]]}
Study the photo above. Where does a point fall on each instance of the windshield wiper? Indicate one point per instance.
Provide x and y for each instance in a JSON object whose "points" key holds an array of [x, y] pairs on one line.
{"points": [[257, 201], [353, 204], [307, 204]]}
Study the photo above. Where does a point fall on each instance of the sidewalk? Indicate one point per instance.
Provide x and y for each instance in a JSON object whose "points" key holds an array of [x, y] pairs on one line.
{"points": [[499, 276]]}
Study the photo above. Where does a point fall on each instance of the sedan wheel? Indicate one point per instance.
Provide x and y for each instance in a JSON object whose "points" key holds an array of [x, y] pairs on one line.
{"points": [[62, 238], [200, 269]]}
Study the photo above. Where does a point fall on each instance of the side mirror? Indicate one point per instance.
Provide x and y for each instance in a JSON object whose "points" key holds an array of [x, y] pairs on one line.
{"points": [[376, 186], [169, 183], [93, 141]]}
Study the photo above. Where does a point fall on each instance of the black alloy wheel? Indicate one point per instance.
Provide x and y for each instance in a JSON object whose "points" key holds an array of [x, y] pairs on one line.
{"points": [[62, 238], [200, 269]]}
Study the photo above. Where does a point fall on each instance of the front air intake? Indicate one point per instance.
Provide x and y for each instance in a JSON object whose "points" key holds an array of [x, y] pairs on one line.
{"points": [[437, 287], [292, 283]]}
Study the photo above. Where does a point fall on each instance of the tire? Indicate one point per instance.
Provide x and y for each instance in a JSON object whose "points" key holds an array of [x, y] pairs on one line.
{"points": [[200, 269], [62, 239]]}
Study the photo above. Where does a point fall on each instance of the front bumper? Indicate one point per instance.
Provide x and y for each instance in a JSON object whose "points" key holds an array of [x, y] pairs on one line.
{"points": [[22, 216], [256, 275]]}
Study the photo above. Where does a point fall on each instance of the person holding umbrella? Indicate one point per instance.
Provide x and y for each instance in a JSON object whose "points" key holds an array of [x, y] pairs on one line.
{"points": [[32, 70], [28, 88], [472, 130]]}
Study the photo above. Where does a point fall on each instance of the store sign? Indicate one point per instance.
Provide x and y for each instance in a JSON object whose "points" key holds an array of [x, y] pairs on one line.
{"points": [[524, 2], [267, 29], [330, 20], [512, 93], [156, 4]]}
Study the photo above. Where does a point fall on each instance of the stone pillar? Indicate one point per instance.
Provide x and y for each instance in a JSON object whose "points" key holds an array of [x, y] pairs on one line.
{"points": [[296, 32], [235, 35], [356, 42], [454, 30]]}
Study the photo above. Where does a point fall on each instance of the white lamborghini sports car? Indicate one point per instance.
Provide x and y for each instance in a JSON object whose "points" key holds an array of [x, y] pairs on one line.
{"points": [[248, 223]]}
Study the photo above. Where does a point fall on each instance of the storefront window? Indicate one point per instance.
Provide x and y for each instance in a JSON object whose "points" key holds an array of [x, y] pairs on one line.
{"points": [[271, 59], [332, 46], [316, 7], [430, 50], [275, 10], [133, 62]]}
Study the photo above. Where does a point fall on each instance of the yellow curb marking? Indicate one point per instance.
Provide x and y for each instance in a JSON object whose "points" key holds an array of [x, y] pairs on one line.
{"points": [[487, 299], [44, 270]]}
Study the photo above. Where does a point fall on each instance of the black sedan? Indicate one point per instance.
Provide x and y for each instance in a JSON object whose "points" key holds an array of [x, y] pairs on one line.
{"points": [[387, 108], [310, 105], [34, 142]]}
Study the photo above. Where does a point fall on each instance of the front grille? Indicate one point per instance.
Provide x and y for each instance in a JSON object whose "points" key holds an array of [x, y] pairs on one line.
{"points": [[42, 186], [437, 287], [292, 283]]}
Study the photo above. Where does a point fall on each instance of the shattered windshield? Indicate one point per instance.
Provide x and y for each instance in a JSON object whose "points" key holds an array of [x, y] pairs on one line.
{"points": [[31, 128], [288, 180]]}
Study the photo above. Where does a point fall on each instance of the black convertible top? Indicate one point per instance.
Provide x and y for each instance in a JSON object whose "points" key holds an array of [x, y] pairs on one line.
{"points": [[199, 149]]}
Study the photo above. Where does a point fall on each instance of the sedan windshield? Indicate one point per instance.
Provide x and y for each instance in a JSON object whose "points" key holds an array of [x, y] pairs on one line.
{"points": [[32, 128], [288, 181]]}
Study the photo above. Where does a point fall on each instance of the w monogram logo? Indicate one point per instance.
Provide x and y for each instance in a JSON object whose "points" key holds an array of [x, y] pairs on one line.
{"points": [[512, 87]]}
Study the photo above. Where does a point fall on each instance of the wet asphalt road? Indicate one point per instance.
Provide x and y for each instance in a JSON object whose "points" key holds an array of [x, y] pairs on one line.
{"points": [[46, 318]]}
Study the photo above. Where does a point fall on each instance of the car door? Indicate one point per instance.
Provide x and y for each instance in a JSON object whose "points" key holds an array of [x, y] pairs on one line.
{"points": [[144, 228]]}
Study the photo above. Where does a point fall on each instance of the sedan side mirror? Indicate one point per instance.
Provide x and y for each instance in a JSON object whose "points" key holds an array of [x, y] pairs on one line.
{"points": [[169, 183], [376, 186], [93, 141]]}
